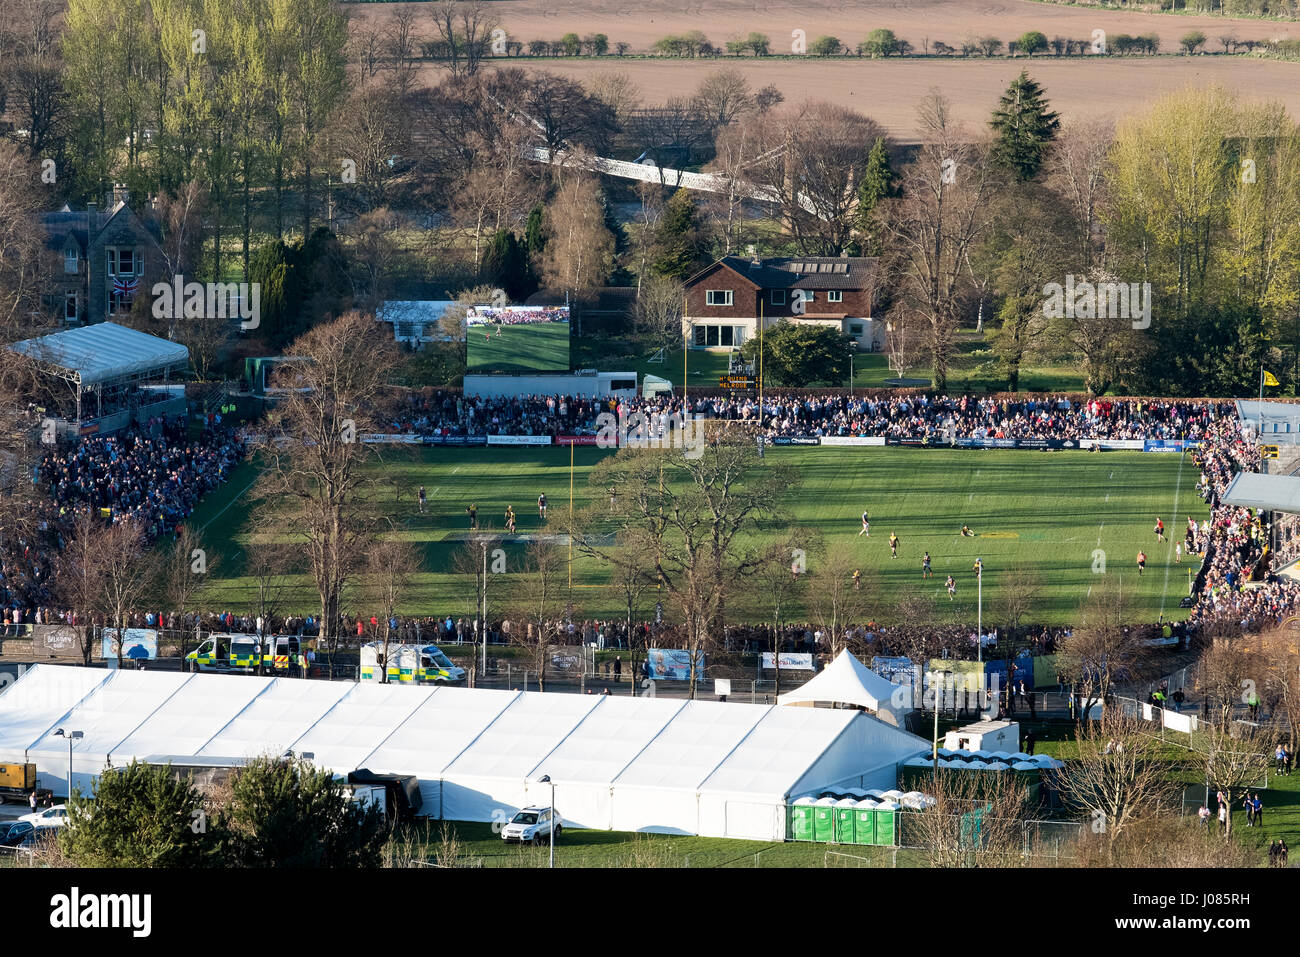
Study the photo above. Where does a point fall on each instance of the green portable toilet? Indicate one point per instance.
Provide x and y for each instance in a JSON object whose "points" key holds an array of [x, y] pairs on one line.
{"points": [[801, 819], [864, 822], [885, 821], [824, 820], [844, 821]]}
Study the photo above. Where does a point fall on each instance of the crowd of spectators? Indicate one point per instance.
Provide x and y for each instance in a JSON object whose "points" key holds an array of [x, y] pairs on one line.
{"points": [[1234, 583], [153, 475], [898, 415]]}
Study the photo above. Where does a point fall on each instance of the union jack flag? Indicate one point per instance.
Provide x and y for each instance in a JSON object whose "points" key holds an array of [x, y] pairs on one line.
{"points": [[125, 287]]}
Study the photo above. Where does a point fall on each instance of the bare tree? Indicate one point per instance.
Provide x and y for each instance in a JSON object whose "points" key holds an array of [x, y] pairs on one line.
{"points": [[618, 91], [780, 581], [1101, 648], [464, 31], [22, 256], [316, 460], [1236, 760], [1229, 670], [1019, 594], [1076, 171], [579, 252], [79, 576], [943, 211], [693, 511], [390, 566], [538, 597], [836, 600], [904, 337], [268, 562], [973, 820], [815, 178], [1118, 775], [184, 565], [723, 96], [127, 573], [660, 305]]}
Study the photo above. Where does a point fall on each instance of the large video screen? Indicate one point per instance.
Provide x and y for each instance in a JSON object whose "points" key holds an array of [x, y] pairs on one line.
{"points": [[517, 339]]}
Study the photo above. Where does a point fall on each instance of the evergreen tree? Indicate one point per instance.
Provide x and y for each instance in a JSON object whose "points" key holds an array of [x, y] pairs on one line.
{"points": [[291, 814], [505, 265], [534, 242], [1024, 127], [800, 354], [878, 182], [677, 239], [141, 816]]}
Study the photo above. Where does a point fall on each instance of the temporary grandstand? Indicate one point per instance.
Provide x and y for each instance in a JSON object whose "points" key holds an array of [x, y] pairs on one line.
{"points": [[103, 377], [617, 763]]}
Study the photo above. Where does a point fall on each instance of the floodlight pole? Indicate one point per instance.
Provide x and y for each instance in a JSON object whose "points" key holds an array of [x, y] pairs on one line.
{"points": [[71, 736], [979, 614]]}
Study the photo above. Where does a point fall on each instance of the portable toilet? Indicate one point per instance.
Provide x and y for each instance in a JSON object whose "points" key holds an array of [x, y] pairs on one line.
{"points": [[844, 821], [886, 822], [801, 819], [824, 820], [864, 822]]}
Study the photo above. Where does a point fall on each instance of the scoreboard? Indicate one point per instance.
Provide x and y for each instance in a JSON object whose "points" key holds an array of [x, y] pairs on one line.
{"points": [[743, 383]]}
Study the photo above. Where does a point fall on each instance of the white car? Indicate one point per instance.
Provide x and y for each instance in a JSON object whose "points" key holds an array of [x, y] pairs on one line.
{"points": [[56, 816], [532, 825]]}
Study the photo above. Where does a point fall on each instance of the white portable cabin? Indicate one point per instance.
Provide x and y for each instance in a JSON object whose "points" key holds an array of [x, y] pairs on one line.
{"points": [[986, 736]]}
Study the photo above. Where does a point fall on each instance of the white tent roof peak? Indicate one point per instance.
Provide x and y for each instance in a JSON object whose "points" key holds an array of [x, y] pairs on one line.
{"points": [[846, 680]]}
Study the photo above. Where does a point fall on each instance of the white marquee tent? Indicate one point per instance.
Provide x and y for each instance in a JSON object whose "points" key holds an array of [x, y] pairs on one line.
{"points": [[640, 764], [848, 681]]}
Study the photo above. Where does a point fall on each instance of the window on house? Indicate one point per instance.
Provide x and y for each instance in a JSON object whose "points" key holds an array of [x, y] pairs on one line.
{"points": [[725, 336], [122, 262], [712, 338], [835, 295], [699, 335], [717, 297], [70, 260], [855, 330], [778, 297], [70, 306]]}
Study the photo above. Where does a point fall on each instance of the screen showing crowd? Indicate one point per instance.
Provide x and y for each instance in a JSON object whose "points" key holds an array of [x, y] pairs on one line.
{"points": [[517, 339]]}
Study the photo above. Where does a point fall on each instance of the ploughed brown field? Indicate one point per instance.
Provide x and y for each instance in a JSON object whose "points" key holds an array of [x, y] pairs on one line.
{"points": [[887, 90]]}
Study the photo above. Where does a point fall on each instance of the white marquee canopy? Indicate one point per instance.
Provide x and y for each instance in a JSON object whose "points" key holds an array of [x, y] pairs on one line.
{"points": [[639, 764]]}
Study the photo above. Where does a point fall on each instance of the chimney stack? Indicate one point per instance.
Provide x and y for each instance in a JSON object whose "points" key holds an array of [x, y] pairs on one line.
{"points": [[92, 219]]}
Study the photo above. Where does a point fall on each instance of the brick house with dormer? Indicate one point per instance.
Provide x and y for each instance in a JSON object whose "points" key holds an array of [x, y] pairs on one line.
{"points": [[724, 302], [104, 260]]}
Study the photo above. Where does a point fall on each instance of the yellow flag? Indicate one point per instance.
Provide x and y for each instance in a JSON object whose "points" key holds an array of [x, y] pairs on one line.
{"points": [[1269, 378]]}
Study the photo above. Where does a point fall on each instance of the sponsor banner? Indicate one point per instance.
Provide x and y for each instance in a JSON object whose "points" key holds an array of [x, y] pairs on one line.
{"points": [[59, 640], [794, 661], [672, 665], [575, 440], [1131, 445], [853, 440], [518, 440], [454, 440], [1169, 445], [374, 438], [796, 440], [137, 643]]}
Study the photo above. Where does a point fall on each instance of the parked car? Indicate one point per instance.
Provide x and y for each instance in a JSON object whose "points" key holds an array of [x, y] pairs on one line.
{"points": [[16, 833], [56, 816], [532, 825]]}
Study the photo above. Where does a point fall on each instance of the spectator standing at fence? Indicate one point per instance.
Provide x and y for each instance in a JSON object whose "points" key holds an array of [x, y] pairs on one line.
{"points": [[1178, 700], [1249, 806], [1204, 815], [1252, 702]]}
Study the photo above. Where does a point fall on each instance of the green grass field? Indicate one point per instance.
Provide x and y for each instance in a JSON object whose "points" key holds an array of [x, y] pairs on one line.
{"points": [[524, 347], [1050, 510]]}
